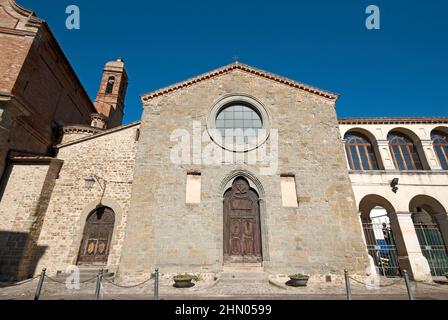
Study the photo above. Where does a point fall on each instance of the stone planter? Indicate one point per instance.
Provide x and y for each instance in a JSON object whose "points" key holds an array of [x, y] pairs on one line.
{"points": [[182, 282], [295, 281]]}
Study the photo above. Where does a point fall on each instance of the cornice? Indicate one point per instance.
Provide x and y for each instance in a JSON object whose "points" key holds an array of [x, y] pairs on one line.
{"points": [[80, 129], [26, 15], [100, 133], [245, 68], [17, 32], [361, 121]]}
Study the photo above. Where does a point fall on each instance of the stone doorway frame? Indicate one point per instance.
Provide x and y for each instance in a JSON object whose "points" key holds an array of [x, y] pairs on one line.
{"points": [[79, 230], [255, 184]]}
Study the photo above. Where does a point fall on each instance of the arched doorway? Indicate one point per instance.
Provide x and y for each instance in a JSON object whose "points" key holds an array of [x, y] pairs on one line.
{"points": [[380, 235], [97, 236], [428, 215], [242, 229]]}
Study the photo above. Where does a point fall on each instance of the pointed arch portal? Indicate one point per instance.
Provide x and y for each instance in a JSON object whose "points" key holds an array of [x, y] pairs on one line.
{"points": [[242, 228]]}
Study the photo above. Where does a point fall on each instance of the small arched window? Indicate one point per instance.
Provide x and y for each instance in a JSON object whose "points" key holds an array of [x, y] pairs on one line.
{"points": [[360, 152], [404, 152], [440, 142], [110, 85]]}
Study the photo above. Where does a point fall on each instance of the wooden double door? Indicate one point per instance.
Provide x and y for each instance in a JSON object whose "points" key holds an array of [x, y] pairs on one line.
{"points": [[242, 230], [95, 245]]}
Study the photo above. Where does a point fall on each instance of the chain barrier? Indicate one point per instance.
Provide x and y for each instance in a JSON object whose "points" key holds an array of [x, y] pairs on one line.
{"points": [[378, 286], [99, 278], [128, 287], [431, 284], [406, 281], [65, 282], [54, 280], [88, 280], [17, 284]]}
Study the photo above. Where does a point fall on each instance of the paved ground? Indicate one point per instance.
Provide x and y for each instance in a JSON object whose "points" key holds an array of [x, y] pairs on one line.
{"points": [[248, 297], [388, 289]]}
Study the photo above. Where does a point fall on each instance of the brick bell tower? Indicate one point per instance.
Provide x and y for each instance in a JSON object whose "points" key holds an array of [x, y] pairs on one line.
{"points": [[109, 101]]}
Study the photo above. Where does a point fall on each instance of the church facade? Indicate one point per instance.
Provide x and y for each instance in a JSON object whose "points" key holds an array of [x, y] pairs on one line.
{"points": [[237, 169]]}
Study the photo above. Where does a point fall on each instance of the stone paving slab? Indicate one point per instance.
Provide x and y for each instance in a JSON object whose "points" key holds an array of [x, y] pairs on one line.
{"points": [[222, 290]]}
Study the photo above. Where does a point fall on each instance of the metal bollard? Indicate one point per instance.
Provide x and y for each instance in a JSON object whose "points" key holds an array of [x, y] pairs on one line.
{"points": [[98, 285], [408, 285], [40, 285], [347, 285], [156, 285]]}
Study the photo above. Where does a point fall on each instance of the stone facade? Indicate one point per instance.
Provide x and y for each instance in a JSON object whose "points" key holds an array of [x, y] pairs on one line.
{"points": [[111, 156], [169, 215], [23, 209], [189, 238], [169, 211]]}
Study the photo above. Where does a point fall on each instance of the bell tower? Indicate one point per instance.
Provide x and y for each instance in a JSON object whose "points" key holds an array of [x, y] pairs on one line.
{"points": [[109, 101]]}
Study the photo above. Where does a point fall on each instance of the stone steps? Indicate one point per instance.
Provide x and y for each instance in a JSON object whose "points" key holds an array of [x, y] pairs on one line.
{"points": [[243, 283], [246, 278], [86, 273], [243, 268]]}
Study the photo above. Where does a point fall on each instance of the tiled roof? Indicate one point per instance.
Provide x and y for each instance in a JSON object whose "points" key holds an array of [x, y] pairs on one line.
{"points": [[245, 68]]}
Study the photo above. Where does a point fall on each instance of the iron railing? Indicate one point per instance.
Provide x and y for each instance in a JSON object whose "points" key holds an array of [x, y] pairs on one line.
{"points": [[382, 247], [433, 248]]}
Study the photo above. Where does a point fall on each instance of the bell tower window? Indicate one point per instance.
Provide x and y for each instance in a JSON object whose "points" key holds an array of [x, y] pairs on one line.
{"points": [[110, 85]]}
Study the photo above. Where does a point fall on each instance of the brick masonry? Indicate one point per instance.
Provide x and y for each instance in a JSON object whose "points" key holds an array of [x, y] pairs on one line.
{"points": [[39, 90]]}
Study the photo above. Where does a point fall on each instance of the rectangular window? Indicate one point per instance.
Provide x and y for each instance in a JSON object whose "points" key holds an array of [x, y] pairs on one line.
{"points": [[349, 157], [441, 156], [398, 158], [355, 158], [363, 155], [373, 159], [407, 158], [415, 157], [289, 192], [193, 192]]}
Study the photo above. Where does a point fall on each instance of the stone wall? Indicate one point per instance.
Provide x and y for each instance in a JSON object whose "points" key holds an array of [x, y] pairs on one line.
{"points": [[24, 202], [111, 156], [321, 236]]}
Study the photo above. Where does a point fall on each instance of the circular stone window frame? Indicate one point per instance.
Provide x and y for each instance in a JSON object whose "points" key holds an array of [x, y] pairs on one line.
{"points": [[234, 99]]}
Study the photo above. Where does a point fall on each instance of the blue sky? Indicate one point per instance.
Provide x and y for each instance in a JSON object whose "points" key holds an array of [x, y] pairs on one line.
{"points": [[398, 71]]}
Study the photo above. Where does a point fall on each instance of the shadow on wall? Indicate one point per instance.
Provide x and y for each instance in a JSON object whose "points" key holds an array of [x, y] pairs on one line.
{"points": [[15, 265]]}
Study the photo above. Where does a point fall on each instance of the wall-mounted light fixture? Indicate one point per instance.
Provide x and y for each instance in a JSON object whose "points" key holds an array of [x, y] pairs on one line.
{"points": [[394, 185], [89, 182]]}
